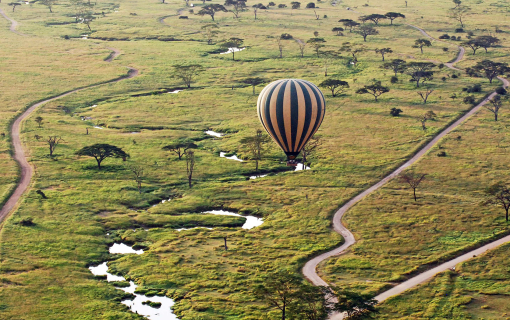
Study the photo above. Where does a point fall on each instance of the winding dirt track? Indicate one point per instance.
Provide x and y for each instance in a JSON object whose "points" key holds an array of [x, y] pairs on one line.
{"points": [[26, 171], [14, 23], [310, 268]]}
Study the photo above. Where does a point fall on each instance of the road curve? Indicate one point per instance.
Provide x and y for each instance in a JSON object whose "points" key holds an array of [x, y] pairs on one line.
{"points": [[26, 171], [310, 268], [14, 23]]}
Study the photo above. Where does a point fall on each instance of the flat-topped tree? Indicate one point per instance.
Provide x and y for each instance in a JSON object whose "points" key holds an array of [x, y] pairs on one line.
{"points": [[237, 7], [396, 65], [394, 15], [494, 105], [211, 9], [499, 194], [420, 71], [375, 18], [487, 42], [338, 31], [101, 151], [180, 147], [383, 51], [49, 4], [473, 44], [317, 44], [490, 69], [232, 44], [353, 49], [14, 5], [348, 23], [376, 89], [366, 31], [187, 73], [255, 81], [336, 86], [420, 43]]}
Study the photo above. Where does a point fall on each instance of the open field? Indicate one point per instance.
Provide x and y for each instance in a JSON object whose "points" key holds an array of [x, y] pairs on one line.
{"points": [[45, 265]]}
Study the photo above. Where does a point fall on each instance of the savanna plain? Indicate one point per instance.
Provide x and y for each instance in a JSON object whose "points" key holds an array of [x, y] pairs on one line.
{"points": [[73, 211]]}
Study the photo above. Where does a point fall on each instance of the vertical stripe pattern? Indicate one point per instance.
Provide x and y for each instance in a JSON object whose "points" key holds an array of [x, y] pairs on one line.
{"points": [[291, 111]]}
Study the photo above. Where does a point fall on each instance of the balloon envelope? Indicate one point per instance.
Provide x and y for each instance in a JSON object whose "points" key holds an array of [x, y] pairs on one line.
{"points": [[291, 111]]}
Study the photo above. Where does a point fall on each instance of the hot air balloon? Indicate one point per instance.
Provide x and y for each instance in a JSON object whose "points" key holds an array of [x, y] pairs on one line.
{"points": [[291, 111]]}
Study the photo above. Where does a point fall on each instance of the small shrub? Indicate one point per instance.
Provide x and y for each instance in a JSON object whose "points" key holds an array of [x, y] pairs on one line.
{"points": [[191, 11], [66, 37], [325, 16], [471, 34], [454, 76], [501, 91], [27, 222], [441, 154], [394, 79], [473, 89], [183, 17], [445, 49], [395, 112], [470, 100], [444, 36], [310, 5], [459, 30], [286, 36], [443, 79], [282, 5]]}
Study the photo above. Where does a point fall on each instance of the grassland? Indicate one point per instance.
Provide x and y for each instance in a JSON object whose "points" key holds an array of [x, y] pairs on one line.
{"points": [[45, 265]]}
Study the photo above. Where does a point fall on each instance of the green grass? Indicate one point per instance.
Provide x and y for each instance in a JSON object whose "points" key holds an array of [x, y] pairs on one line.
{"points": [[46, 265]]}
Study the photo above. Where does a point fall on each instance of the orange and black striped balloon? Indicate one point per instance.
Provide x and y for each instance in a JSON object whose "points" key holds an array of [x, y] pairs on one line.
{"points": [[291, 111]]}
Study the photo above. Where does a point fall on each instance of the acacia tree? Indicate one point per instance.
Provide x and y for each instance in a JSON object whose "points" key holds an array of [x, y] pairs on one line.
{"points": [[413, 180], [187, 72], [375, 18], [210, 31], [190, 165], [473, 44], [459, 13], [180, 147], [39, 120], [338, 31], [138, 175], [280, 290], [310, 147], [255, 81], [420, 71], [101, 151], [357, 306], [376, 89], [420, 43], [383, 51], [232, 44], [211, 10], [328, 57], [336, 86], [396, 65], [353, 49], [494, 106], [394, 15], [429, 115], [317, 44], [313, 303], [499, 194], [425, 94], [49, 4], [348, 23], [14, 5], [88, 17], [256, 146], [490, 69], [366, 31], [487, 42], [53, 142], [238, 7]]}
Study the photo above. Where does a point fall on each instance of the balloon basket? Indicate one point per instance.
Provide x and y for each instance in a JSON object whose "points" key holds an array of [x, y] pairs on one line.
{"points": [[292, 163]]}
